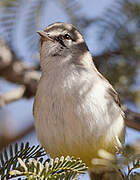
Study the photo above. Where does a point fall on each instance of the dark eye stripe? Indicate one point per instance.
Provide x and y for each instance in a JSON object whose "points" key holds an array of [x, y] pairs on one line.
{"points": [[60, 40], [62, 43]]}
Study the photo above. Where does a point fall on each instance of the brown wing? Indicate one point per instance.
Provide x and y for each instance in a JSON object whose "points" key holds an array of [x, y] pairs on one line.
{"points": [[114, 95]]}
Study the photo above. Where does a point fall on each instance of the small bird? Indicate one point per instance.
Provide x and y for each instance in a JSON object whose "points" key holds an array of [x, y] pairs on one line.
{"points": [[76, 110]]}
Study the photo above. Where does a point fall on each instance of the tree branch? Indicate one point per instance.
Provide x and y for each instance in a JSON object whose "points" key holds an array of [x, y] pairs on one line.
{"points": [[15, 71], [132, 119], [12, 96]]}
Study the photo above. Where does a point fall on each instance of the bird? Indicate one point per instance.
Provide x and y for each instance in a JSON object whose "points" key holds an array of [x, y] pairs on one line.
{"points": [[76, 110]]}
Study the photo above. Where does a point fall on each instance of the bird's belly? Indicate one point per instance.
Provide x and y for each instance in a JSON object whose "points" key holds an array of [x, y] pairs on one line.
{"points": [[69, 126]]}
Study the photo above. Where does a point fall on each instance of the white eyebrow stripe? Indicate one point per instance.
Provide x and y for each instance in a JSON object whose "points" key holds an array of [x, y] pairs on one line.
{"points": [[55, 33]]}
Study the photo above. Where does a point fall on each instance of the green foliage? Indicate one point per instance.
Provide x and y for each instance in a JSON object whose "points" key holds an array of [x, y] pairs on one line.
{"points": [[63, 168], [9, 157], [26, 161], [32, 163]]}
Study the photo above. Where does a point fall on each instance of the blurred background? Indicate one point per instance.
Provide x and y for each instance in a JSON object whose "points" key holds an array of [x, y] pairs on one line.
{"points": [[112, 31]]}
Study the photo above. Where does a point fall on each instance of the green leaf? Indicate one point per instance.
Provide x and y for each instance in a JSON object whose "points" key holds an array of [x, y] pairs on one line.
{"points": [[52, 170], [9, 157]]}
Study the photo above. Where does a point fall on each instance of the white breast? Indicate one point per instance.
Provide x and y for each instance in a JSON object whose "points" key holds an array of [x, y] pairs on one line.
{"points": [[72, 115]]}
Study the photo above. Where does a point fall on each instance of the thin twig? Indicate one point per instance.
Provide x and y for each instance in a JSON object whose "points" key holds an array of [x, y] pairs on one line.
{"points": [[12, 96]]}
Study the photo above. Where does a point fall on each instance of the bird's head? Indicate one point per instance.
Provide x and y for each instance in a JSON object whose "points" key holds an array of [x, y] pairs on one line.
{"points": [[61, 39]]}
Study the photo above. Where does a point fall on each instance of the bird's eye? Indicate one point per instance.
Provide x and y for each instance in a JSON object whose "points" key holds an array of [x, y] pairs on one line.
{"points": [[67, 36]]}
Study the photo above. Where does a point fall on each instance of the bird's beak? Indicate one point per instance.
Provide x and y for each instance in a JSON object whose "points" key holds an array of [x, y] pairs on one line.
{"points": [[44, 35]]}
